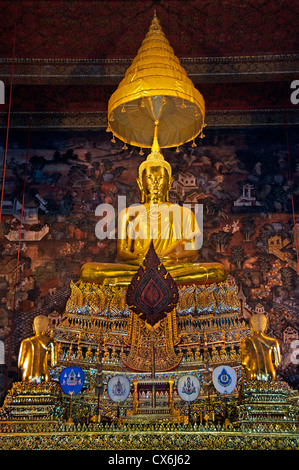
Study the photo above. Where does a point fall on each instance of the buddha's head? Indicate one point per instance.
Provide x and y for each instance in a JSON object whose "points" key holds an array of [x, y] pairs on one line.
{"points": [[40, 324], [258, 322], [154, 178]]}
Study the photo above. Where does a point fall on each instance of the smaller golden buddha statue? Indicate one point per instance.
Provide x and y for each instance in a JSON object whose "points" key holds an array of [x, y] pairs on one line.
{"points": [[33, 354], [260, 353]]}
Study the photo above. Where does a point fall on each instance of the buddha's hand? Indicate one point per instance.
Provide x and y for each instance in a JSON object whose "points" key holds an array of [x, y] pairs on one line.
{"points": [[140, 250], [138, 254], [135, 257], [179, 253]]}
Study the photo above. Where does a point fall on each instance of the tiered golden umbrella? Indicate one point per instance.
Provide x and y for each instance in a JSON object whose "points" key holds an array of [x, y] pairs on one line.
{"points": [[156, 93]]}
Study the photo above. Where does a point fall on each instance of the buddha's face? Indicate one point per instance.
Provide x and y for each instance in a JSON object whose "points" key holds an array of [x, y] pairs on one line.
{"points": [[155, 184]]}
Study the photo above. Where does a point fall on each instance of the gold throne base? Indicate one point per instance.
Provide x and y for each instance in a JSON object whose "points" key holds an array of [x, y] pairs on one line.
{"points": [[26, 402], [100, 313], [271, 403]]}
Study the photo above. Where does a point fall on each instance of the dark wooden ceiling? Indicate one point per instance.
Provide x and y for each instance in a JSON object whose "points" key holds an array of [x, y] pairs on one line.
{"points": [[71, 54], [99, 29]]}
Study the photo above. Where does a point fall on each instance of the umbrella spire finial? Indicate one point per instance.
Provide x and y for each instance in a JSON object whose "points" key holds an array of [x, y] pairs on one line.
{"points": [[155, 145]]}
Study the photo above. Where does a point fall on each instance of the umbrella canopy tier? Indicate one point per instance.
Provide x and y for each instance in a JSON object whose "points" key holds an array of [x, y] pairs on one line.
{"points": [[156, 90]]}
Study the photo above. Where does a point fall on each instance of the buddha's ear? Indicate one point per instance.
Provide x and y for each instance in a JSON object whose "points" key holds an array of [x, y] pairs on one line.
{"points": [[139, 182], [169, 187], [140, 186]]}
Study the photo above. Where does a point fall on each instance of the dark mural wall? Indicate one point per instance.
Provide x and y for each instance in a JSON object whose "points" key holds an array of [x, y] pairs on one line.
{"points": [[246, 179]]}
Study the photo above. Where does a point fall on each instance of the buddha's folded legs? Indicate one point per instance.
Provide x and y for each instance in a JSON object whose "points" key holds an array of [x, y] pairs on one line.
{"points": [[198, 273], [122, 274], [108, 273]]}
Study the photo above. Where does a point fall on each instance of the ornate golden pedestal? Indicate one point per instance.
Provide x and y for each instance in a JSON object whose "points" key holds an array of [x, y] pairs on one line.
{"points": [[268, 405], [32, 402], [165, 339], [104, 337]]}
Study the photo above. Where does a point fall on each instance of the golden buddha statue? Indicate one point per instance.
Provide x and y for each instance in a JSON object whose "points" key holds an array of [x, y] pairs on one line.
{"points": [[260, 353], [172, 228], [33, 354]]}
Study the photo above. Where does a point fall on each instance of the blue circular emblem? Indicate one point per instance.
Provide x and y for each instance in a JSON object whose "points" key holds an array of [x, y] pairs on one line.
{"points": [[71, 380], [224, 379]]}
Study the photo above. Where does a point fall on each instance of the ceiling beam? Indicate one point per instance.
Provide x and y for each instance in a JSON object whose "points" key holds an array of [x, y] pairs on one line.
{"points": [[98, 120], [111, 71]]}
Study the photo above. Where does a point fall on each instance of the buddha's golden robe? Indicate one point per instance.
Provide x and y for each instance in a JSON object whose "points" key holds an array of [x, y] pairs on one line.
{"points": [[176, 237], [260, 353], [34, 351]]}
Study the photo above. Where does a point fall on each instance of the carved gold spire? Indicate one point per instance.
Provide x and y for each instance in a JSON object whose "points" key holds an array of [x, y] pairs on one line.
{"points": [[155, 158], [156, 89]]}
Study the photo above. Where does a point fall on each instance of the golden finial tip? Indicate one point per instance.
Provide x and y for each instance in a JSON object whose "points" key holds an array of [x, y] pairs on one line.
{"points": [[155, 158], [155, 144], [155, 22]]}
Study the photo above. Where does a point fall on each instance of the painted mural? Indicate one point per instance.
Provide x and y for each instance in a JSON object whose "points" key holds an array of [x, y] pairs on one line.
{"points": [[246, 179]]}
